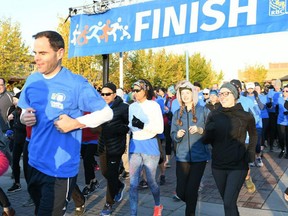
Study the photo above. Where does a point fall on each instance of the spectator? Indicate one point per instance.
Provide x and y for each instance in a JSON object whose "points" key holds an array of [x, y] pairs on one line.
{"points": [[6, 101], [213, 103], [5, 160], [282, 122], [19, 141], [264, 116], [29, 202], [206, 95], [171, 92], [161, 99], [88, 150], [124, 167], [258, 106], [273, 96], [215, 87]]}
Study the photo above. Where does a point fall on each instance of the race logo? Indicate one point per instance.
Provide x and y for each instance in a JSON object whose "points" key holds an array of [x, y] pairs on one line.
{"points": [[57, 100], [278, 7], [102, 32]]}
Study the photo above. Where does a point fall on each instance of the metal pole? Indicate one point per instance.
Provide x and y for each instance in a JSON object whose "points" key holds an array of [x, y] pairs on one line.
{"points": [[121, 85], [105, 68], [187, 65]]}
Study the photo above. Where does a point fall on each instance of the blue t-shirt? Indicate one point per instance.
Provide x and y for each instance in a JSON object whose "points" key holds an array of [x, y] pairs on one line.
{"points": [[257, 111], [282, 119], [273, 96], [51, 152], [248, 106], [149, 146], [264, 100], [175, 106], [201, 101]]}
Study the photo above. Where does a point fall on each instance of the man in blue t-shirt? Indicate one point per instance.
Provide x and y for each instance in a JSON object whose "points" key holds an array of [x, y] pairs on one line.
{"points": [[53, 101]]}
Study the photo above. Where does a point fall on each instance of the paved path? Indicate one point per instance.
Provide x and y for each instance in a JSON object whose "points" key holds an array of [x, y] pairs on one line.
{"points": [[270, 181]]}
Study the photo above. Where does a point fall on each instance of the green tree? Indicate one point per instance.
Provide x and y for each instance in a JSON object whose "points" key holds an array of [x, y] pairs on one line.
{"points": [[201, 70], [15, 60], [254, 73], [163, 69], [168, 67]]}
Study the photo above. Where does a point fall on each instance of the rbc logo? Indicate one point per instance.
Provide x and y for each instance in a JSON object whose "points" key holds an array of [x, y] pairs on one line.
{"points": [[278, 7]]}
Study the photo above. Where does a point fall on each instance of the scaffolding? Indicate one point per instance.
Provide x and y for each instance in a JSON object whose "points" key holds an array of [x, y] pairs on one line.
{"points": [[101, 6]]}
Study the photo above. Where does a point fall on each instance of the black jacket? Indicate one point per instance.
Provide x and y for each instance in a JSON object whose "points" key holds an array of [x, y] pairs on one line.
{"points": [[226, 130], [6, 103], [18, 128], [211, 106], [112, 140]]}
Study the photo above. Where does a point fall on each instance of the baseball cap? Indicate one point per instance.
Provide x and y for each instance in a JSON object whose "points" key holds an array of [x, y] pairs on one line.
{"points": [[250, 85], [236, 83], [111, 86], [206, 91]]}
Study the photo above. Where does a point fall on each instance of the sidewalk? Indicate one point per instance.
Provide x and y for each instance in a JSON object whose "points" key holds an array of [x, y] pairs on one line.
{"points": [[270, 180]]}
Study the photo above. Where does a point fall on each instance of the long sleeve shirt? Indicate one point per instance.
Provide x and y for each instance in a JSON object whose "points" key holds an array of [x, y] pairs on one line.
{"points": [[150, 114]]}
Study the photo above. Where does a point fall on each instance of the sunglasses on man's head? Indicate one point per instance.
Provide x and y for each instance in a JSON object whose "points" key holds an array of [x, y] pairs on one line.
{"points": [[106, 94], [136, 90]]}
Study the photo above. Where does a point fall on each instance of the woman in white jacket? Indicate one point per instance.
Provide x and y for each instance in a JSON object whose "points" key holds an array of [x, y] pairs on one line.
{"points": [[145, 122]]}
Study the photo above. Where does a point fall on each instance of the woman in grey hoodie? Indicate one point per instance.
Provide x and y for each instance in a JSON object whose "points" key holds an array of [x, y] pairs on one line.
{"points": [[191, 154]]}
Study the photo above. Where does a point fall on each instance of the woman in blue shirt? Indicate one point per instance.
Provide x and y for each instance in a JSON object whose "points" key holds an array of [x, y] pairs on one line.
{"points": [[282, 122]]}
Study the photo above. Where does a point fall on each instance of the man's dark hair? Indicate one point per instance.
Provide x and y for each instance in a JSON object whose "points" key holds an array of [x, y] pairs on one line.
{"points": [[4, 82], [55, 39], [161, 88], [197, 84]]}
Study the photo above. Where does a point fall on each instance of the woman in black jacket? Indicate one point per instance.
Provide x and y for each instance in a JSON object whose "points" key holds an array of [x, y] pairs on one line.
{"points": [[112, 144], [226, 130]]}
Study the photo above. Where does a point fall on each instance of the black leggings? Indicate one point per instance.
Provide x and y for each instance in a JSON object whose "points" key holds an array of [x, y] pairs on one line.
{"points": [[189, 176], [110, 170], [4, 201], [265, 129], [168, 140], [25, 160], [272, 128], [88, 151], [283, 137], [229, 183], [16, 156]]}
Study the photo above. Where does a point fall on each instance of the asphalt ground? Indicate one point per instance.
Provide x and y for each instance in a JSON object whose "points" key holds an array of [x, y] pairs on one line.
{"points": [[270, 180]]}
